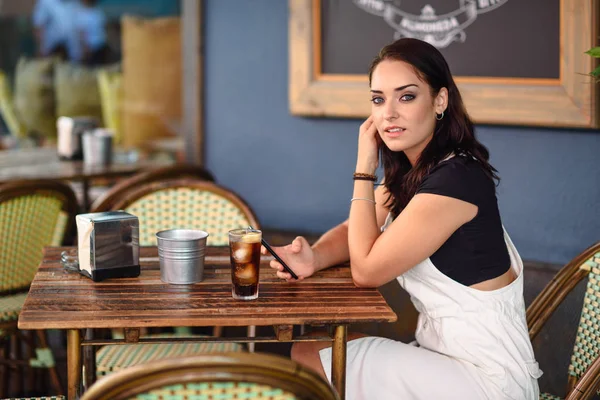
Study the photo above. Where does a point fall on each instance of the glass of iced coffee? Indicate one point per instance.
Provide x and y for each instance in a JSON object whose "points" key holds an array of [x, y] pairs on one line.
{"points": [[244, 248]]}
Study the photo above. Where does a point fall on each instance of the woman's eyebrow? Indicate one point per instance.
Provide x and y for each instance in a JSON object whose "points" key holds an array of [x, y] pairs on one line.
{"points": [[397, 89]]}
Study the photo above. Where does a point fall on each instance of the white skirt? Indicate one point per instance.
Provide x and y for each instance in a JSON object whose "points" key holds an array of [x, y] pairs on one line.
{"points": [[384, 369]]}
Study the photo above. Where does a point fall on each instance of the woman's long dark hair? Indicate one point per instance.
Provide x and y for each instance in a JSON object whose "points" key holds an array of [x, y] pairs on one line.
{"points": [[453, 133]]}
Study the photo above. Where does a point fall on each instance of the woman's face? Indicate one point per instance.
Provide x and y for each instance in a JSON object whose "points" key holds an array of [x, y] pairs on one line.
{"points": [[403, 108]]}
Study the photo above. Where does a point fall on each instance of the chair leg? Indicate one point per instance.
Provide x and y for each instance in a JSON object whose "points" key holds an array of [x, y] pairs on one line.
{"points": [[251, 334], [29, 354], [4, 368], [52, 370], [90, 359], [16, 355]]}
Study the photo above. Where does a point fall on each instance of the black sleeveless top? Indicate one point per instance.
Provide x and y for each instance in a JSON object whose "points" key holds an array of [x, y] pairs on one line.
{"points": [[476, 251]]}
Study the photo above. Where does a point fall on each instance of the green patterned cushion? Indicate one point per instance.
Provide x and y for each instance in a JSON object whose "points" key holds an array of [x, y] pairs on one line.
{"points": [[27, 224], [187, 208], [43, 358], [547, 396], [216, 391], [587, 342], [10, 306], [59, 230], [112, 358]]}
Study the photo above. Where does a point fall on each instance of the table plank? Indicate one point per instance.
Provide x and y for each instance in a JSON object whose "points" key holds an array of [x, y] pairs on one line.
{"points": [[60, 299]]}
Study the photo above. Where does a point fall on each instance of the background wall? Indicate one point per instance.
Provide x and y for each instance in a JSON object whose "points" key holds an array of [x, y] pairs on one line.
{"points": [[296, 172]]}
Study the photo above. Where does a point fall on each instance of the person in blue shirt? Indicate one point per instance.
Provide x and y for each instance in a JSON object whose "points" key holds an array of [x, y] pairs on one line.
{"points": [[54, 30], [90, 25]]}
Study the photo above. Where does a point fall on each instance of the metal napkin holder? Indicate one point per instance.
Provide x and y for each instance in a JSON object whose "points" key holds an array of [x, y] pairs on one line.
{"points": [[108, 245]]}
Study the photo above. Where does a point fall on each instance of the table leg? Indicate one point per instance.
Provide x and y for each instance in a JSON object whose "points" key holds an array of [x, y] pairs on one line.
{"points": [[73, 362], [338, 360]]}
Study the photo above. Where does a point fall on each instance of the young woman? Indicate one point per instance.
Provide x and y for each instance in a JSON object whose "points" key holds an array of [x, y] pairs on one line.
{"points": [[433, 224]]}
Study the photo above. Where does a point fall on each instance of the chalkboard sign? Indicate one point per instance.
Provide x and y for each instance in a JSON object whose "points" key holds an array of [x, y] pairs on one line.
{"points": [[514, 39], [517, 62]]}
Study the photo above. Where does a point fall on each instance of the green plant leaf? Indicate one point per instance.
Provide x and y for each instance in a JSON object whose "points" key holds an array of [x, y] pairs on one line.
{"points": [[596, 73], [594, 52]]}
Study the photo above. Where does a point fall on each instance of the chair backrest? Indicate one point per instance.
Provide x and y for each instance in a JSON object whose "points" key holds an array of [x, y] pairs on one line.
{"points": [[178, 171], [33, 214], [189, 204], [584, 370], [110, 87], [215, 376], [7, 109]]}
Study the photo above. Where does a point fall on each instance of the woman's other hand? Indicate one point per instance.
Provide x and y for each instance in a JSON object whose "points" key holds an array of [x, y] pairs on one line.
{"points": [[368, 152], [298, 255]]}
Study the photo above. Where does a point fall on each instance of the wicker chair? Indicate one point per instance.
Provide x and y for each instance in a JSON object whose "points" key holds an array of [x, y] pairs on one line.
{"points": [[186, 203], [220, 376], [7, 109], [106, 201], [168, 204], [584, 370], [39, 398], [32, 215]]}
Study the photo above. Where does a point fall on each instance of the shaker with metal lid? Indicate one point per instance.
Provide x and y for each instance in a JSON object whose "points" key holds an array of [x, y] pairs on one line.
{"points": [[70, 130]]}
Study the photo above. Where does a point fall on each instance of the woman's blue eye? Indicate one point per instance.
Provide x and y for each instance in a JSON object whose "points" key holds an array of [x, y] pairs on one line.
{"points": [[407, 97], [377, 100]]}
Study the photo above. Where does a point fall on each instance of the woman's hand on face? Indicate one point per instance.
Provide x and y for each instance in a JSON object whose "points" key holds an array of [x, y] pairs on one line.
{"points": [[368, 152], [298, 255]]}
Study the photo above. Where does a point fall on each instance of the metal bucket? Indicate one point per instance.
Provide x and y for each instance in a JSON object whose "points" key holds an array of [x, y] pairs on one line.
{"points": [[181, 255], [97, 147]]}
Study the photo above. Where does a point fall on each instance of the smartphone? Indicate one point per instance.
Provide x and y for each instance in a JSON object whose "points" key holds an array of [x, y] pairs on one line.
{"points": [[270, 250]]}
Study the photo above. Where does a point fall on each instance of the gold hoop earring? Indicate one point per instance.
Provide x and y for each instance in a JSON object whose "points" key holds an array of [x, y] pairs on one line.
{"points": [[439, 117]]}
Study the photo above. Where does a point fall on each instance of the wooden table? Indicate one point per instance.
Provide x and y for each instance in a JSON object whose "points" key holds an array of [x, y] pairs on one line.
{"points": [[43, 163], [59, 299]]}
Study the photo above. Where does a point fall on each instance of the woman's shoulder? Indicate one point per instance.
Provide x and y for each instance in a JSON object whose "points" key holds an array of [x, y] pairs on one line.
{"points": [[461, 166], [460, 176]]}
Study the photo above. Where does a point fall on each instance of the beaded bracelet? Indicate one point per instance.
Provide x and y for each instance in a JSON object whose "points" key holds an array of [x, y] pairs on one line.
{"points": [[364, 177]]}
